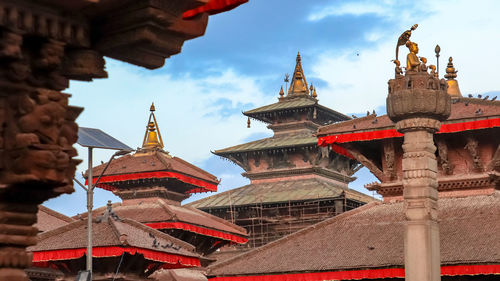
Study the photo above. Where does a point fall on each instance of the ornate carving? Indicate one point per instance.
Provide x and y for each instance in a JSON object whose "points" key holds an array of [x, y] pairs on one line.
{"points": [[443, 158], [494, 164], [389, 156], [370, 164], [471, 147], [37, 131]]}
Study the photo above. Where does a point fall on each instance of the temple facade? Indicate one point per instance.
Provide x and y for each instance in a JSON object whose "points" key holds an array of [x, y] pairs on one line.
{"points": [[440, 186], [293, 182], [149, 232]]}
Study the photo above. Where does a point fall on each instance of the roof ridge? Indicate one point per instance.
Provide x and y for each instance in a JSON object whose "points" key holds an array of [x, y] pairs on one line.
{"points": [[60, 229], [55, 213], [160, 234], [346, 122], [479, 101], [166, 207], [301, 232]]}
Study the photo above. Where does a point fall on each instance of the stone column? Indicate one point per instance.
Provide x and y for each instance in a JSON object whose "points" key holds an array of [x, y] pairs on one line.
{"points": [[417, 103]]}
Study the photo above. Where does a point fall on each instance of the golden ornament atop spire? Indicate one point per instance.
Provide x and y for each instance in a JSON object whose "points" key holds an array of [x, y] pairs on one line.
{"points": [[298, 86], [282, 94], [315, 95], [152, 137], [451, 74]]}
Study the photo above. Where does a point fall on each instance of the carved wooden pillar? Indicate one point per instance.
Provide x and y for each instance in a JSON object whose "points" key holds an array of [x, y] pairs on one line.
{"points": [[417, 111], [43, 44], [37, 133]]}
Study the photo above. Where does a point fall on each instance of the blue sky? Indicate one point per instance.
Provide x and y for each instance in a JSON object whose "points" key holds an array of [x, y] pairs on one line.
{"points": [[239, 64]]}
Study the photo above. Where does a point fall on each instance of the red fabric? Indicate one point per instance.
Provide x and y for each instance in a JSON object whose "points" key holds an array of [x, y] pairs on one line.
{"points": [[203, 185], [452, 270], [214, 7], [392, 133], [199, 230], [40, 257], [342, 151]]}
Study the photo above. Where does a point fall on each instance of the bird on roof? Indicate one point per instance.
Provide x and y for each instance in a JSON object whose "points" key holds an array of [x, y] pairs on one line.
{"points": [[470, 95], [494, 98], [485, 98], [479, 96]]}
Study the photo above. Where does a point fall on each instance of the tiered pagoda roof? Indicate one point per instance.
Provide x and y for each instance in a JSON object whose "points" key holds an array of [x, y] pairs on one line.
{"points": [[152, 183], [300, 98], [153, 166], [279, 192], [65, 247]]}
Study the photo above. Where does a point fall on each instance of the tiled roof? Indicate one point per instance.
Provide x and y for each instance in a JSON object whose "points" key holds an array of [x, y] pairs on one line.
{"points": [[271, 143], [372, 236], [152, 162], [181, 274], [107, 234], [292, 103], [462, 109], [151, 210], [48, 219], [275, 192], [285, 104]]}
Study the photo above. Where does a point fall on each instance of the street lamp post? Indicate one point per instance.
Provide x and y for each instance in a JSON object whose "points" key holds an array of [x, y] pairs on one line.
{"points": [[95, 138]]}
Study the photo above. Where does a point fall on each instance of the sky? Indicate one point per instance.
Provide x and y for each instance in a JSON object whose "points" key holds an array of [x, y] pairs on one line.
{"points": [[240, 63]]}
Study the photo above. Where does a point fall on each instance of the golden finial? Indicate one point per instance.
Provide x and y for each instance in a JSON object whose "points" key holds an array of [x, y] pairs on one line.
{"points": [[248, 122], [314, 95], [282, 94], [298, 85], [311, 88], [152, 137], [451, 74]]}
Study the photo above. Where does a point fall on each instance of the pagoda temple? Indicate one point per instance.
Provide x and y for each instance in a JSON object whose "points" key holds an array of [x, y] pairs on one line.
{"points": [[293, 182], [152, 184], [123, 249], [370, 242]]}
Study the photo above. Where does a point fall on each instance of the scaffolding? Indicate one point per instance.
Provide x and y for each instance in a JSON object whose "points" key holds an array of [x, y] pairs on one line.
{"points": [[266, 222]]}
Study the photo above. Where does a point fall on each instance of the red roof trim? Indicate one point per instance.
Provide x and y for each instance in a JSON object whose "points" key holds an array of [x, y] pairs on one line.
{"points": [[214, 7], [392, 133], [199, 230], [41, 257], [452, 270], [204, 186]]}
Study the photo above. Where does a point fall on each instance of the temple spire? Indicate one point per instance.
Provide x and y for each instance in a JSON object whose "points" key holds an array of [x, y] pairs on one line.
{"points": [[451, 74], [152, 137], [298, 85]]}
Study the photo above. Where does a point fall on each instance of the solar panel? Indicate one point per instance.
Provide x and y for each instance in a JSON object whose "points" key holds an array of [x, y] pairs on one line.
{"points": [[90, 137]]}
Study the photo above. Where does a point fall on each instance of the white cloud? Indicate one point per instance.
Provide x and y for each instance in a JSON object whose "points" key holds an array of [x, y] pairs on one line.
{"points": [[349, 8], [359, 83], [191, 116]]}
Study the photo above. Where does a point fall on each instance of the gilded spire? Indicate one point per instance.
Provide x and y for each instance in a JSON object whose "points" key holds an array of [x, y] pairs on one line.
{"points": [[298, 85], [315, 95], [282, 94], [451, 74], [152, 137]]}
